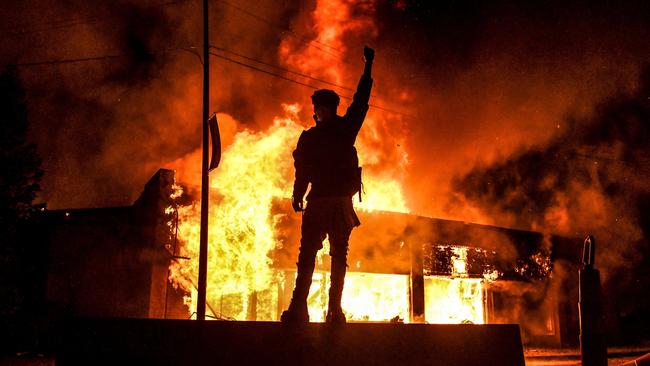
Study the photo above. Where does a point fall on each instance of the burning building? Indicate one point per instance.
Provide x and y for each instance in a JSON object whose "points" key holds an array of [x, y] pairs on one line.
{"points": [[407, 268], [136, 261]]}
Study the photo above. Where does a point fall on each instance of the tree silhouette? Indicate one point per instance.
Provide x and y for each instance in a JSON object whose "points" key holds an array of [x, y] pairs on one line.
{"points": [[20, 174]]}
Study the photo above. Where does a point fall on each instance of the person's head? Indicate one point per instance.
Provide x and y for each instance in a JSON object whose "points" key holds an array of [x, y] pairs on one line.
{"points": [[325, 104]]}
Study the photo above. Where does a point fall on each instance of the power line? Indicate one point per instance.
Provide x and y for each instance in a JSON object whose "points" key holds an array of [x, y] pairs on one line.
{"points": [[65, 61], [17, 30], [265, 71], [277, 67], [91, 58], [282, 68], [62, 23], [59, 26], [252, 67], [41, 24], [275, 25], [290, 32]]}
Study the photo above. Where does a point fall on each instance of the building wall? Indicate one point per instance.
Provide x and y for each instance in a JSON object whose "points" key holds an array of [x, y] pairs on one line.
{"points": [[112, 262]]}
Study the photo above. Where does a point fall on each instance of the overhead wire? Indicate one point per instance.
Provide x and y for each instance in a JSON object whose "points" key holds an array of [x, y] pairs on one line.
{"points": [[64, 23], [65, 61], [56, 26], [252, 67], [91, 58], [17, 30], [243, 64], [277, 67], [312, 43], [284, 69], [264, 71], [19, 27], [271, 23]]}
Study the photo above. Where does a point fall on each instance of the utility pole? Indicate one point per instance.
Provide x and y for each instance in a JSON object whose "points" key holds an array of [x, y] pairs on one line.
{"points": [[205, 178]]}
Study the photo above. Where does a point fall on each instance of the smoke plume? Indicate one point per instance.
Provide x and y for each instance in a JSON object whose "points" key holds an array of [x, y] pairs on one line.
{"points": [[594, 178]]}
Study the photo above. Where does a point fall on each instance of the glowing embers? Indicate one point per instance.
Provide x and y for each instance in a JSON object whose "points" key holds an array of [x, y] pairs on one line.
{"points": [[366, 297], [459, 262], [453, 300]]}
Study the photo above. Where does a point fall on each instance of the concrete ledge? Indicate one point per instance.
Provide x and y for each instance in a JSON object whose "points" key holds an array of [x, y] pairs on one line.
{"points": [[181, 342]]}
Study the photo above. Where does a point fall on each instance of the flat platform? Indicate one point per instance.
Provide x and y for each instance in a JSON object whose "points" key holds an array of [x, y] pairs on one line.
{"points": [[189, 342]]}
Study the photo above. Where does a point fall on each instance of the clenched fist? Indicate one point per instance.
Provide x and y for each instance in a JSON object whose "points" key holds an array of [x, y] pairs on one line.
{"points": [[368, 54]]}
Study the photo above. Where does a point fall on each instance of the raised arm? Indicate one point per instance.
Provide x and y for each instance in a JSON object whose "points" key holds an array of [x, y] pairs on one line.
{"points": [[356, 112]]}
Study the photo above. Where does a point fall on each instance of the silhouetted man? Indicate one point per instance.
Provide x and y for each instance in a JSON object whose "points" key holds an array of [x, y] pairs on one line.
{"points": [[326, 158]]}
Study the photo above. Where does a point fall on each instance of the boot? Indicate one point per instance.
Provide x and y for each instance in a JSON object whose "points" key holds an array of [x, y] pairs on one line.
{"points": [[297, 312], [337, 279], [335, 317]]}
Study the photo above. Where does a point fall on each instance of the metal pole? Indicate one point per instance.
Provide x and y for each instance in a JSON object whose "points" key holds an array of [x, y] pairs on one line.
{"points": [[593, 349], [417, 283], [205, 179]]}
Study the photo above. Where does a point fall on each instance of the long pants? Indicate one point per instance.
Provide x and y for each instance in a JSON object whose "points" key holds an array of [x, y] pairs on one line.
{"points": [[321, 219]]}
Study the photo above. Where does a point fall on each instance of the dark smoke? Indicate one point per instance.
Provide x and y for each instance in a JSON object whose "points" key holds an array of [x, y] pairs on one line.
{"points": [[607, 157], [595, 178], [488, 79], [104, 127]]}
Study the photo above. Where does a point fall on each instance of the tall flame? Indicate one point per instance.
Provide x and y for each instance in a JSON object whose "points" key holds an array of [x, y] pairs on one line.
{"points": [[255, 169]]}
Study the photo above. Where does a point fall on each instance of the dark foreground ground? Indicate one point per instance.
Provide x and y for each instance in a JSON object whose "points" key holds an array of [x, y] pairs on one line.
{"points": [[176, 342], [113, 341], [534, 357]]}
